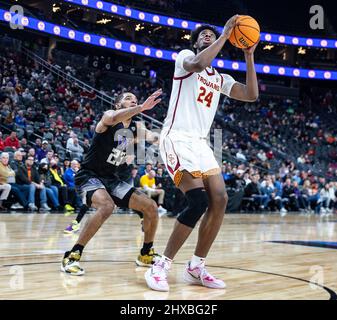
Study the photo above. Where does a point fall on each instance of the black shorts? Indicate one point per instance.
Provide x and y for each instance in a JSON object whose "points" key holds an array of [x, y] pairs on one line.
{"points": [[87, 182]]}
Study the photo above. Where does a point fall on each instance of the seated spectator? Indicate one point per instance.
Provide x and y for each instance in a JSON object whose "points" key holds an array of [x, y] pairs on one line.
{"points": [[5, 172], [59, 122], [253, 190], [73, 146], [17, 161], [24, 145], [135, 178], [52, 191], [65, 166], [42, 151], [262, 156], [29, 176], [20, 120], [31, 152], [69, 179], [77, 123], [86, 145], [2, 142], [12, 141], [49, 156], [274, 201], [7, 175], [56, 179], [327, 198], [148, 183], [240, 155], [290, 196]]}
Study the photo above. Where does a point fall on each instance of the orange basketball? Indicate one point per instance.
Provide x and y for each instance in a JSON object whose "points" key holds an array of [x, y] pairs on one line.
{"points": [[246, 32]]}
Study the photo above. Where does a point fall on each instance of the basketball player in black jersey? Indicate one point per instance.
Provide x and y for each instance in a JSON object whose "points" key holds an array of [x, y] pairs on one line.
{"points": [[99, 183]]}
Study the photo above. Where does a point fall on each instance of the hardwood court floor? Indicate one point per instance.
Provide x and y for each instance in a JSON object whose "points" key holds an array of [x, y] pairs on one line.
{"points": [[32, 245]]}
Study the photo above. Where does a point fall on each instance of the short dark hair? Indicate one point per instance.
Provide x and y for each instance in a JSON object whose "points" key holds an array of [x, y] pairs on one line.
{"points": [[195, 33], [119, 98]]}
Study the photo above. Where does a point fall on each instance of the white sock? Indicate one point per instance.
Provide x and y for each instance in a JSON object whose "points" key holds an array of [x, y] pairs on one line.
{"points": [[195, 261]]}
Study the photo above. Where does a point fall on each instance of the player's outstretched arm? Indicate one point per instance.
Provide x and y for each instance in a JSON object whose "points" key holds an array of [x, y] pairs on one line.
{"points": [[204, 58], [250, 91], [112, 117]]}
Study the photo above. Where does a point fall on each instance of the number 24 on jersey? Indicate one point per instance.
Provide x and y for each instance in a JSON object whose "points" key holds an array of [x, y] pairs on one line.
{"points": [[205, 97]]}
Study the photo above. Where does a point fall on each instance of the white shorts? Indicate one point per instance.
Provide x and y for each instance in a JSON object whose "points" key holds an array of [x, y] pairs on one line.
{"points": [[181, 152]]}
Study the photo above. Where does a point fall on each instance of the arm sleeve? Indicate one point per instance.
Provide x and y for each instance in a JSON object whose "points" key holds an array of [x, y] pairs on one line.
{"points": [[227, 84], [179, 70]]}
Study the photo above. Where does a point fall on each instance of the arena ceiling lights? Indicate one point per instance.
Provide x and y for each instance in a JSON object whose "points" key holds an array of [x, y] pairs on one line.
{"points": [[93, 39], [174, 22]]}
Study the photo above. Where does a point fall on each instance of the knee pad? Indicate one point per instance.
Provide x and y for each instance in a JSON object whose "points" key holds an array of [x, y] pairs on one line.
{"points": [[197, 204]]}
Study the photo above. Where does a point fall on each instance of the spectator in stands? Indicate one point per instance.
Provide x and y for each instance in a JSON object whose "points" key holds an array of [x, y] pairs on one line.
{"points": [[73, 146], [275, 202], [69, 179], [135, 178], [5, 172], [59, 122], [65, 166], [52, 191], [31, 152], [146, 170], [20, 120], [148, 183], [240, 155], [24, 145], [327, 198], [58, 182], [26, 95], [41, 153], [77, 123], [12, 141], [290, 196], [38, 144], [29, 176], [17, 161], [2, 142], [49, 156], [262, 156], [86, 145], [314, 197], [253, 190]]}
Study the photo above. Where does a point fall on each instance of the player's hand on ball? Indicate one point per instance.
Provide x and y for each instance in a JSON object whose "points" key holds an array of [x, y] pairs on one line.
{"points": [[152, 100], [230, 24], [251, 49]]}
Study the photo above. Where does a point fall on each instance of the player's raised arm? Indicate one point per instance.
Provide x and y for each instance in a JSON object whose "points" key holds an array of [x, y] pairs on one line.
{"points": [[205, 57], [250, 91], [112, 117]]}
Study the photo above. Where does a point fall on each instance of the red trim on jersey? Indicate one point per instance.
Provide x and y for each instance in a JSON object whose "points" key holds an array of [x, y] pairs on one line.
{"points": [[183, 77], [175, 108], [210, 73]]}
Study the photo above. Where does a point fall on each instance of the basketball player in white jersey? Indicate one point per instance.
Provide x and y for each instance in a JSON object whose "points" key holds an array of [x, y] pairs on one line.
{"points": [[189, 160]]}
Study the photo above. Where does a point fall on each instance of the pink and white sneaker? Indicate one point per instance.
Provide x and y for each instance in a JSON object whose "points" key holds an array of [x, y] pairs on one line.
{"points": [[156, 276], [200, 276]]}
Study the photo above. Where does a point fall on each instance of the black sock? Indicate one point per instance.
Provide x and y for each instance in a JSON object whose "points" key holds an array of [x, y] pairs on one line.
{"points": [[77, 247], [82, 212], [146, 248]]}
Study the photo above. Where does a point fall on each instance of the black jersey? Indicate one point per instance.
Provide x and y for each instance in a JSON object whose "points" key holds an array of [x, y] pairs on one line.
{"points": [[107, 153]]}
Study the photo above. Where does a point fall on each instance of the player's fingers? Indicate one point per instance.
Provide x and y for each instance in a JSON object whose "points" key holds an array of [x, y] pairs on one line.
{"points": [[159, 91], [157, 101]]}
